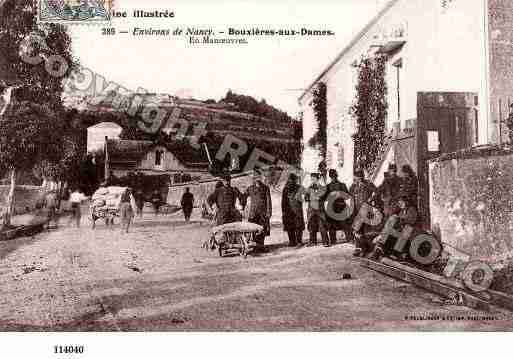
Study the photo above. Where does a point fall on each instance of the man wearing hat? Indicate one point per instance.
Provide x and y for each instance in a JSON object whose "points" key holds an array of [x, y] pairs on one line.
{"points": [[225, 197], [389, 191], [260, 207], [362, 191], [333, 224], [316, 214]]}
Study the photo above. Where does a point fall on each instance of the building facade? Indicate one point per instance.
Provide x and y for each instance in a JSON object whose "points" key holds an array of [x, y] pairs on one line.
{"points": [[128, 156], [96, 135], [431, 46]]}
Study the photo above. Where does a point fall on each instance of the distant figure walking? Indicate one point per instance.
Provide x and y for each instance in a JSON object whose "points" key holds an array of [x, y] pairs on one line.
{"points": [[51, 205], [156, 201], [76, 198], [187, 204], [127, 209], [139, 202]]}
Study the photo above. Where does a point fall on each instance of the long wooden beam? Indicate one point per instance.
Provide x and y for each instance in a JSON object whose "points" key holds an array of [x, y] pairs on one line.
{"points": [[420, 280]]}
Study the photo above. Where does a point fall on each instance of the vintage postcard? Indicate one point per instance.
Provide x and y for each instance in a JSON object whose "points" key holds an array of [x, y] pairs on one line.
{"points": [[287, 166]]}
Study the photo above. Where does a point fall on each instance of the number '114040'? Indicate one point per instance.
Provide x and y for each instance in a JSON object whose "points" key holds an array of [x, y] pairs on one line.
{"points": [[68, 349]]}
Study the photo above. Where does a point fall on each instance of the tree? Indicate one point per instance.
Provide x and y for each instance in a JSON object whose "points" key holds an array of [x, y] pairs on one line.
{"points": [[28, 136], [30, 125]]}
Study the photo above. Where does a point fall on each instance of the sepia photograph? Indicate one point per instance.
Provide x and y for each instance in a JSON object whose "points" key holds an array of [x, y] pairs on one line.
{"points": [[331, 166]]}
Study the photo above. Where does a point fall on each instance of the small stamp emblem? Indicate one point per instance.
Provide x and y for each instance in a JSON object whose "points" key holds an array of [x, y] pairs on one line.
{"points": [[79, 11]]}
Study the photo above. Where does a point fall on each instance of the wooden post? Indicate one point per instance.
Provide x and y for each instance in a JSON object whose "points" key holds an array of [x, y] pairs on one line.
{"points": [[500, 122], [9, 207], [106, 150]]}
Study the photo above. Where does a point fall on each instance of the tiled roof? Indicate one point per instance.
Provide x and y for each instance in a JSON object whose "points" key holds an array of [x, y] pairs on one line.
{"points": [[127, 150], [130, 151]]}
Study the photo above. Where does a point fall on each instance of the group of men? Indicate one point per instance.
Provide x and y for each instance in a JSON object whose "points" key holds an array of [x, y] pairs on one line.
{"points": [[256, 200], [395, 196]]}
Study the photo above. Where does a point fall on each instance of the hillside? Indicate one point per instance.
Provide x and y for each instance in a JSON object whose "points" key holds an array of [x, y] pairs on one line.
{"points": [[279, 136]]}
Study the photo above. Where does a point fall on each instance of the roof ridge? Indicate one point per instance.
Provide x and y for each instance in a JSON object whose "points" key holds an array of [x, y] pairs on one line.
{"points": [[351, 44]]}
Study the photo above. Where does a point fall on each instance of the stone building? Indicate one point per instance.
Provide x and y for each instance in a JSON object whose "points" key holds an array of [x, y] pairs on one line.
{"points": [[445, 47], [128, 156]]}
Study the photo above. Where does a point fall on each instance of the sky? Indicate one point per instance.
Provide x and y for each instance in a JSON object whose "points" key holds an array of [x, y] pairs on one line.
{"points": [[276, 69]]}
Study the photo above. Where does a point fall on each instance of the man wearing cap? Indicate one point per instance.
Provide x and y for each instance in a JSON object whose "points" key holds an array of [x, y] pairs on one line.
{"points": [[260, 207], [225, 197], [389, 191], [338, 206], [362, 191], [316, 215]]}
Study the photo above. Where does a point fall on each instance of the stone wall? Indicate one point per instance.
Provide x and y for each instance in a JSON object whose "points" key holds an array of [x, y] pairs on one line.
{"points": [[471, 201], [201, 190], [500, 22], [24, 196]]}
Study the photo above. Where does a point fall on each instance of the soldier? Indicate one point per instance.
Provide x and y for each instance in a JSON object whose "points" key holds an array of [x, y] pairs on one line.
{"points": [[389, 191], [362, 191], [225, 197], [315, 213], [333, 224], [187, 204], [260, 208], [292, 211]]}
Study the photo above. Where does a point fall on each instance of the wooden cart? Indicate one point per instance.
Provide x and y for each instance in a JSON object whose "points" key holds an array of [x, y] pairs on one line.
{"points": [[236, 237]]}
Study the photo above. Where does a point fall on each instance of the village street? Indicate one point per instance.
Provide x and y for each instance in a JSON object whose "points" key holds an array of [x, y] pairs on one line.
{"points": [[159, 278]]}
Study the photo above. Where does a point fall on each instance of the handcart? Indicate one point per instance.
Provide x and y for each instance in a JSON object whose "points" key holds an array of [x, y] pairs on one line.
{"points": [[236, 237], [105, 204]]}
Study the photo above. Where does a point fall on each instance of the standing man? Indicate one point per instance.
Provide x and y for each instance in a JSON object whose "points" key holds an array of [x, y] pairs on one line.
{"points": [[224, 197], [409, 185], [127, 208], [76, 198], [260, 208], [156, 200], [315, 213], [139, 202], [51, 205], [187, 204], [333, 224], [292, 211]]}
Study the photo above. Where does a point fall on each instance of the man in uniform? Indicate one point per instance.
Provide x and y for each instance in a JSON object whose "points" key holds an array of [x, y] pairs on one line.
{"points": [[260, 208], [316, 215], [225, 197], [333, 224]]}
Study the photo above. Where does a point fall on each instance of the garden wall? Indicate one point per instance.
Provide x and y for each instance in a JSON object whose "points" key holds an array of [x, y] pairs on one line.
{"points": [[25, 196], [471, 201], [201, 190]]}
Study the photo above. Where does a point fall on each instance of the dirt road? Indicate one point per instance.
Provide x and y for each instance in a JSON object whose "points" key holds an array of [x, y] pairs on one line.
{"points": [[159, 278]]}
